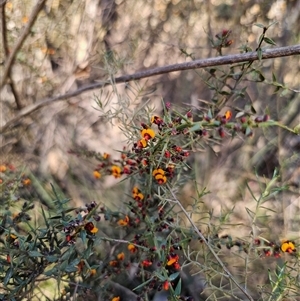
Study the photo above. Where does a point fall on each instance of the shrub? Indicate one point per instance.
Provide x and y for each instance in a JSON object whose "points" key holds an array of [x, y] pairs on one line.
{"points": [[154, 247]]}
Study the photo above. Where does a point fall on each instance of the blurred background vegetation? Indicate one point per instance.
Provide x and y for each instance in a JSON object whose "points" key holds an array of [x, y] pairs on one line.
{"points": [[74, 43]]}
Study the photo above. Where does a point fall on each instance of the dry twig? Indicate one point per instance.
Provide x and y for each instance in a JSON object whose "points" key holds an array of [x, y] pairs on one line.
{"points": [[197, 64], [10, 60]]}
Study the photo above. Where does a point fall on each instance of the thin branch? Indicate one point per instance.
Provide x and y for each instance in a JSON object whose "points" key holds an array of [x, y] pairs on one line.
{"points": [[197, 64], [6, 52], [229, 275], [9, 62]]}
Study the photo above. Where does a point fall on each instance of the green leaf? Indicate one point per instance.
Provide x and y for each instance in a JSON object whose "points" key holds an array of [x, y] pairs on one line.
{"points": [[51, 258], [83, 236], [8, 276], [261, 38], [28, 238], [35, 254], [250, 213], [253, 110], [71, 269], [269, 41], [278, 84], [258, 76], [224, 93], [173, 276], [51, 272], [177, 291], [195, 127], [143, 284], [259, 53], [240, 114], [297, 129], [160, 276], [259, 25], [68, 253], [63, 265], [274, 77], [45, 218], [276, 90]]}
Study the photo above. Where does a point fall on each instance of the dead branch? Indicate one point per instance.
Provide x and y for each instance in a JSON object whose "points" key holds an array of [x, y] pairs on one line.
{"points": [[9, 62], [6, 52], [197, 64]]}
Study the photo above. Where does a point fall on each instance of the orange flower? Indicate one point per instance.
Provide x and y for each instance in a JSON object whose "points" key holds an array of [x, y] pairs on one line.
{"points": [[116, 171], [90, 228], [115, 299], [97, 174], [11, 238], [93, 272], [158, 171], [26, 182], [124, 222], [105, 156], [172, 260], [157, 120], [228, 115], [160, 179], [113, 263], [135, 190], [3, 168], [159, 176], [132, 248], [148, 134], [136, 194], [121, 256], [142, 143], [288, 246]]}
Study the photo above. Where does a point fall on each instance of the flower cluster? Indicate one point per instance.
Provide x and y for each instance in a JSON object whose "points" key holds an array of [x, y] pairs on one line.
{"points": [[270, 248], [153, 162], [81, 223], [263, 248]]}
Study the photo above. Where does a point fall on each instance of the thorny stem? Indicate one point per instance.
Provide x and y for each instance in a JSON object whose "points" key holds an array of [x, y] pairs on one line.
{"points": [[229, 275]]}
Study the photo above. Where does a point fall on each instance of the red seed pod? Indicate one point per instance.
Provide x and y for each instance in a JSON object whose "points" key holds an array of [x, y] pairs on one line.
{"points": [[223, 120], [168, 105], [225, 32], [228, 43], [257, 242], [259, 119], [189, 114], [221, 132], [206, 118], [266, 117], [243, 119], [204, 132], [167, 154]]}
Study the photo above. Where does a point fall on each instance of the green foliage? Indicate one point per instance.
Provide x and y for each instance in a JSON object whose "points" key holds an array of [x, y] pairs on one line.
{"points": [[153, 246]]}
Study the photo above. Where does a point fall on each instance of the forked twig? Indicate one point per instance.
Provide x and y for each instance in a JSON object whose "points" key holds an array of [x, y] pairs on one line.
{"points": [[230, 276], [9, 62], [6, 52]]}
